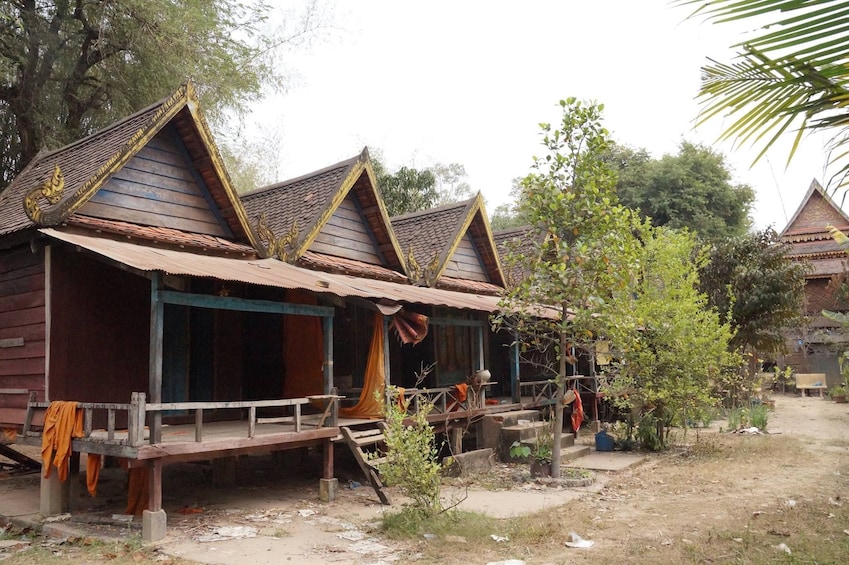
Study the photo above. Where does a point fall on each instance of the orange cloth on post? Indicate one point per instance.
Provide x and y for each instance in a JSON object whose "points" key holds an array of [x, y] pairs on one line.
{"points": [[137, 488], [92, 472], [461, 392], [375, 378], [62, 423], [303, 350], [577, 412]]}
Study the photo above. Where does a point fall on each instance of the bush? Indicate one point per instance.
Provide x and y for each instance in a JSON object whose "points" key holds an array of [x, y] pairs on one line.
{"points": [[412, 462]]}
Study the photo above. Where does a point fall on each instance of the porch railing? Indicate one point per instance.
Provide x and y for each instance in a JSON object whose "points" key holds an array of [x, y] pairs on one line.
{"points": [[138, 409], [445, 399]]}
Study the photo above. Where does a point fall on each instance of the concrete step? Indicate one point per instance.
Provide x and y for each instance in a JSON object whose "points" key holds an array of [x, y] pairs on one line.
{"points": [[521, 432], [566, 440], [489, 427], [569, 454]]}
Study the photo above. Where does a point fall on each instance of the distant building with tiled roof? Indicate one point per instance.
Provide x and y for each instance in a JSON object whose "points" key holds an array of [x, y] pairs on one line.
{"points": [[819, 344]]}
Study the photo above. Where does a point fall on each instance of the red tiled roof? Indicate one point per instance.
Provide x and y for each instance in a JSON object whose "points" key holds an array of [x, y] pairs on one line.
{"points": [[162, 236], [467, 285], [329, 263]]}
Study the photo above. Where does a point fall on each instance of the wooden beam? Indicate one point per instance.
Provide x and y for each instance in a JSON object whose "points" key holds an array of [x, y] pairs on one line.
{"points": [[243, 304], [437, 321], [211, 447], [157, 324], [515, 389], [327, 328]]}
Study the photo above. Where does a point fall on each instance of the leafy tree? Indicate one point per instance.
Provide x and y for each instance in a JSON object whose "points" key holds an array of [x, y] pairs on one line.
{"points": [[756, 289], [581, 249], [452, 183], [410, 190], [790, 75], [407, 189], [671, 362], [690, 190], [68, 68], [509, 214]]}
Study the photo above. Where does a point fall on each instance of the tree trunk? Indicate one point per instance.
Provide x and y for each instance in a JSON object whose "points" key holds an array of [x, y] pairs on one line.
{"points": [[558, 403]]}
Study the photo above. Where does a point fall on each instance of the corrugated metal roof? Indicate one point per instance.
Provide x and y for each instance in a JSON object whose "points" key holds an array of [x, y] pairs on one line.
{"points": [[269, 272]]}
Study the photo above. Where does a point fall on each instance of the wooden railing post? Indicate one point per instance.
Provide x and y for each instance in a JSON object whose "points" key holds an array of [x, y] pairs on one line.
{"points": [[136, 419]]}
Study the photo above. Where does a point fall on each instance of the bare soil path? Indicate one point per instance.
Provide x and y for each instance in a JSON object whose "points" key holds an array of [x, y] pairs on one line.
{"points": [[714, 498]]}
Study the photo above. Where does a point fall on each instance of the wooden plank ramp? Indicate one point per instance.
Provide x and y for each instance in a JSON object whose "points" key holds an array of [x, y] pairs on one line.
{"points": [[363, 443]]}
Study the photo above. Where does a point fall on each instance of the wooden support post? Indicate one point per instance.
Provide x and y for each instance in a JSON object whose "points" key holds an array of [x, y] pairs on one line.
{"points": [[515, 389], [388, 380], [199, 425], [327, 323], [327, 463], [480, 349], [154, 487], [157, 324]]}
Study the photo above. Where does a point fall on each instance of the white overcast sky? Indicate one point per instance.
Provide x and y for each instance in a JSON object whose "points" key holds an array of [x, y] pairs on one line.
{"points": [[469, 81]]}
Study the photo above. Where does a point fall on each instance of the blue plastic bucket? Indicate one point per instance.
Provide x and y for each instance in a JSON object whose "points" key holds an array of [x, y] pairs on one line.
{"points": [[603, 442]]}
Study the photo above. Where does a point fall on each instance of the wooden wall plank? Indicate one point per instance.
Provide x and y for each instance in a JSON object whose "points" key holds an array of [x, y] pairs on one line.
{"points": [[18, 367], [465, 262], [22, 317], [29, 350], [34, 281], [347, 235], [21, 301], [157, 188], [101, 211], [32, 332]]}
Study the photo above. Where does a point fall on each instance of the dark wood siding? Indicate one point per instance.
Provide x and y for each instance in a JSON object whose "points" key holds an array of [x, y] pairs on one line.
{"points": [[22, 330], [465, 263], [100, 330], [346, 235], [156, 188]]}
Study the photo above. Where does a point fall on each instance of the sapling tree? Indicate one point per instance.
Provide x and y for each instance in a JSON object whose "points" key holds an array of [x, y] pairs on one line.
{"points": [[678, 347], [580, 252]]}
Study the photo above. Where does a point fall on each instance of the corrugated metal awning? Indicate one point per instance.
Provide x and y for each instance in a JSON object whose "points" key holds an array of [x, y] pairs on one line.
{"points": [[269, 272]]}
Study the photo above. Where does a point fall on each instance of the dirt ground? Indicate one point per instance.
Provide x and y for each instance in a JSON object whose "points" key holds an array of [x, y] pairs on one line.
{"points": [[714, 498]]}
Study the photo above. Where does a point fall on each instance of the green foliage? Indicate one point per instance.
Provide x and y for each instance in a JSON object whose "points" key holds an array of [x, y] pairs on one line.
{"points": [[755, 288], [690, 190], [411, 523], [543, 439], [410, 190], [839, 390], [579, 246], [70, 68], [759, 416], [754, 414], [412, 455], [518, 450], [788, 76], [676, 347]]}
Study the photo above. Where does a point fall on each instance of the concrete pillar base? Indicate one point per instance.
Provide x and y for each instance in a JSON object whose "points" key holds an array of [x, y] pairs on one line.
{"points": [[328, 489], [153, 525], [55, 496]]}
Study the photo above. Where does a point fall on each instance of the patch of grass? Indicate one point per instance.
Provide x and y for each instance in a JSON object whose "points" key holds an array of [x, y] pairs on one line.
{"points": [[88, 550], [411, 522]]}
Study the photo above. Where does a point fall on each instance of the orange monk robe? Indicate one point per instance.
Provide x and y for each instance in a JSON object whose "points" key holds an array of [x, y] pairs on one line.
{"points": [[62, 423]]}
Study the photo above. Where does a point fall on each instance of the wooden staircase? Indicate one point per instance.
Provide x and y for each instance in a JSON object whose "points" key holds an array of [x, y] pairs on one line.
{"points": [[364, 445]]}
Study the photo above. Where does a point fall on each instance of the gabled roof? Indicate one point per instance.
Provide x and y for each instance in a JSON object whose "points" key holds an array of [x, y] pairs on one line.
{"points": [[516, 240], [291, 214], [808, 236], [56, 184], [429, 239]]}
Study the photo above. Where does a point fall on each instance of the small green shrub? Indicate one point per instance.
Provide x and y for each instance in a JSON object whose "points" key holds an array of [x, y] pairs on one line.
{"points": [[518, 450], [412, 455], [758, 416]]}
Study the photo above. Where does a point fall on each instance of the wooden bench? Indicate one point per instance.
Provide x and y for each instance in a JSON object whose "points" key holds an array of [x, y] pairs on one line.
{"points": [[811, 381]]}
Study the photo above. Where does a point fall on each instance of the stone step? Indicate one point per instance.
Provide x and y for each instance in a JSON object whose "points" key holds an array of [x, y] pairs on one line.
{"points": [[566, 440], [524, 431], [489, 427], [569, 454]]}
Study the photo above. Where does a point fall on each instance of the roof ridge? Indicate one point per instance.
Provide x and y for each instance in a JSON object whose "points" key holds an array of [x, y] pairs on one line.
{"points": [[442, 208], [268, 188]]}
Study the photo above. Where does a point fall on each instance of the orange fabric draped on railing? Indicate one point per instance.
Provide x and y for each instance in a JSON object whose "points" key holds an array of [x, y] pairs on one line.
{"points": [[62, 423], [303, 350], [375, 378]]}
